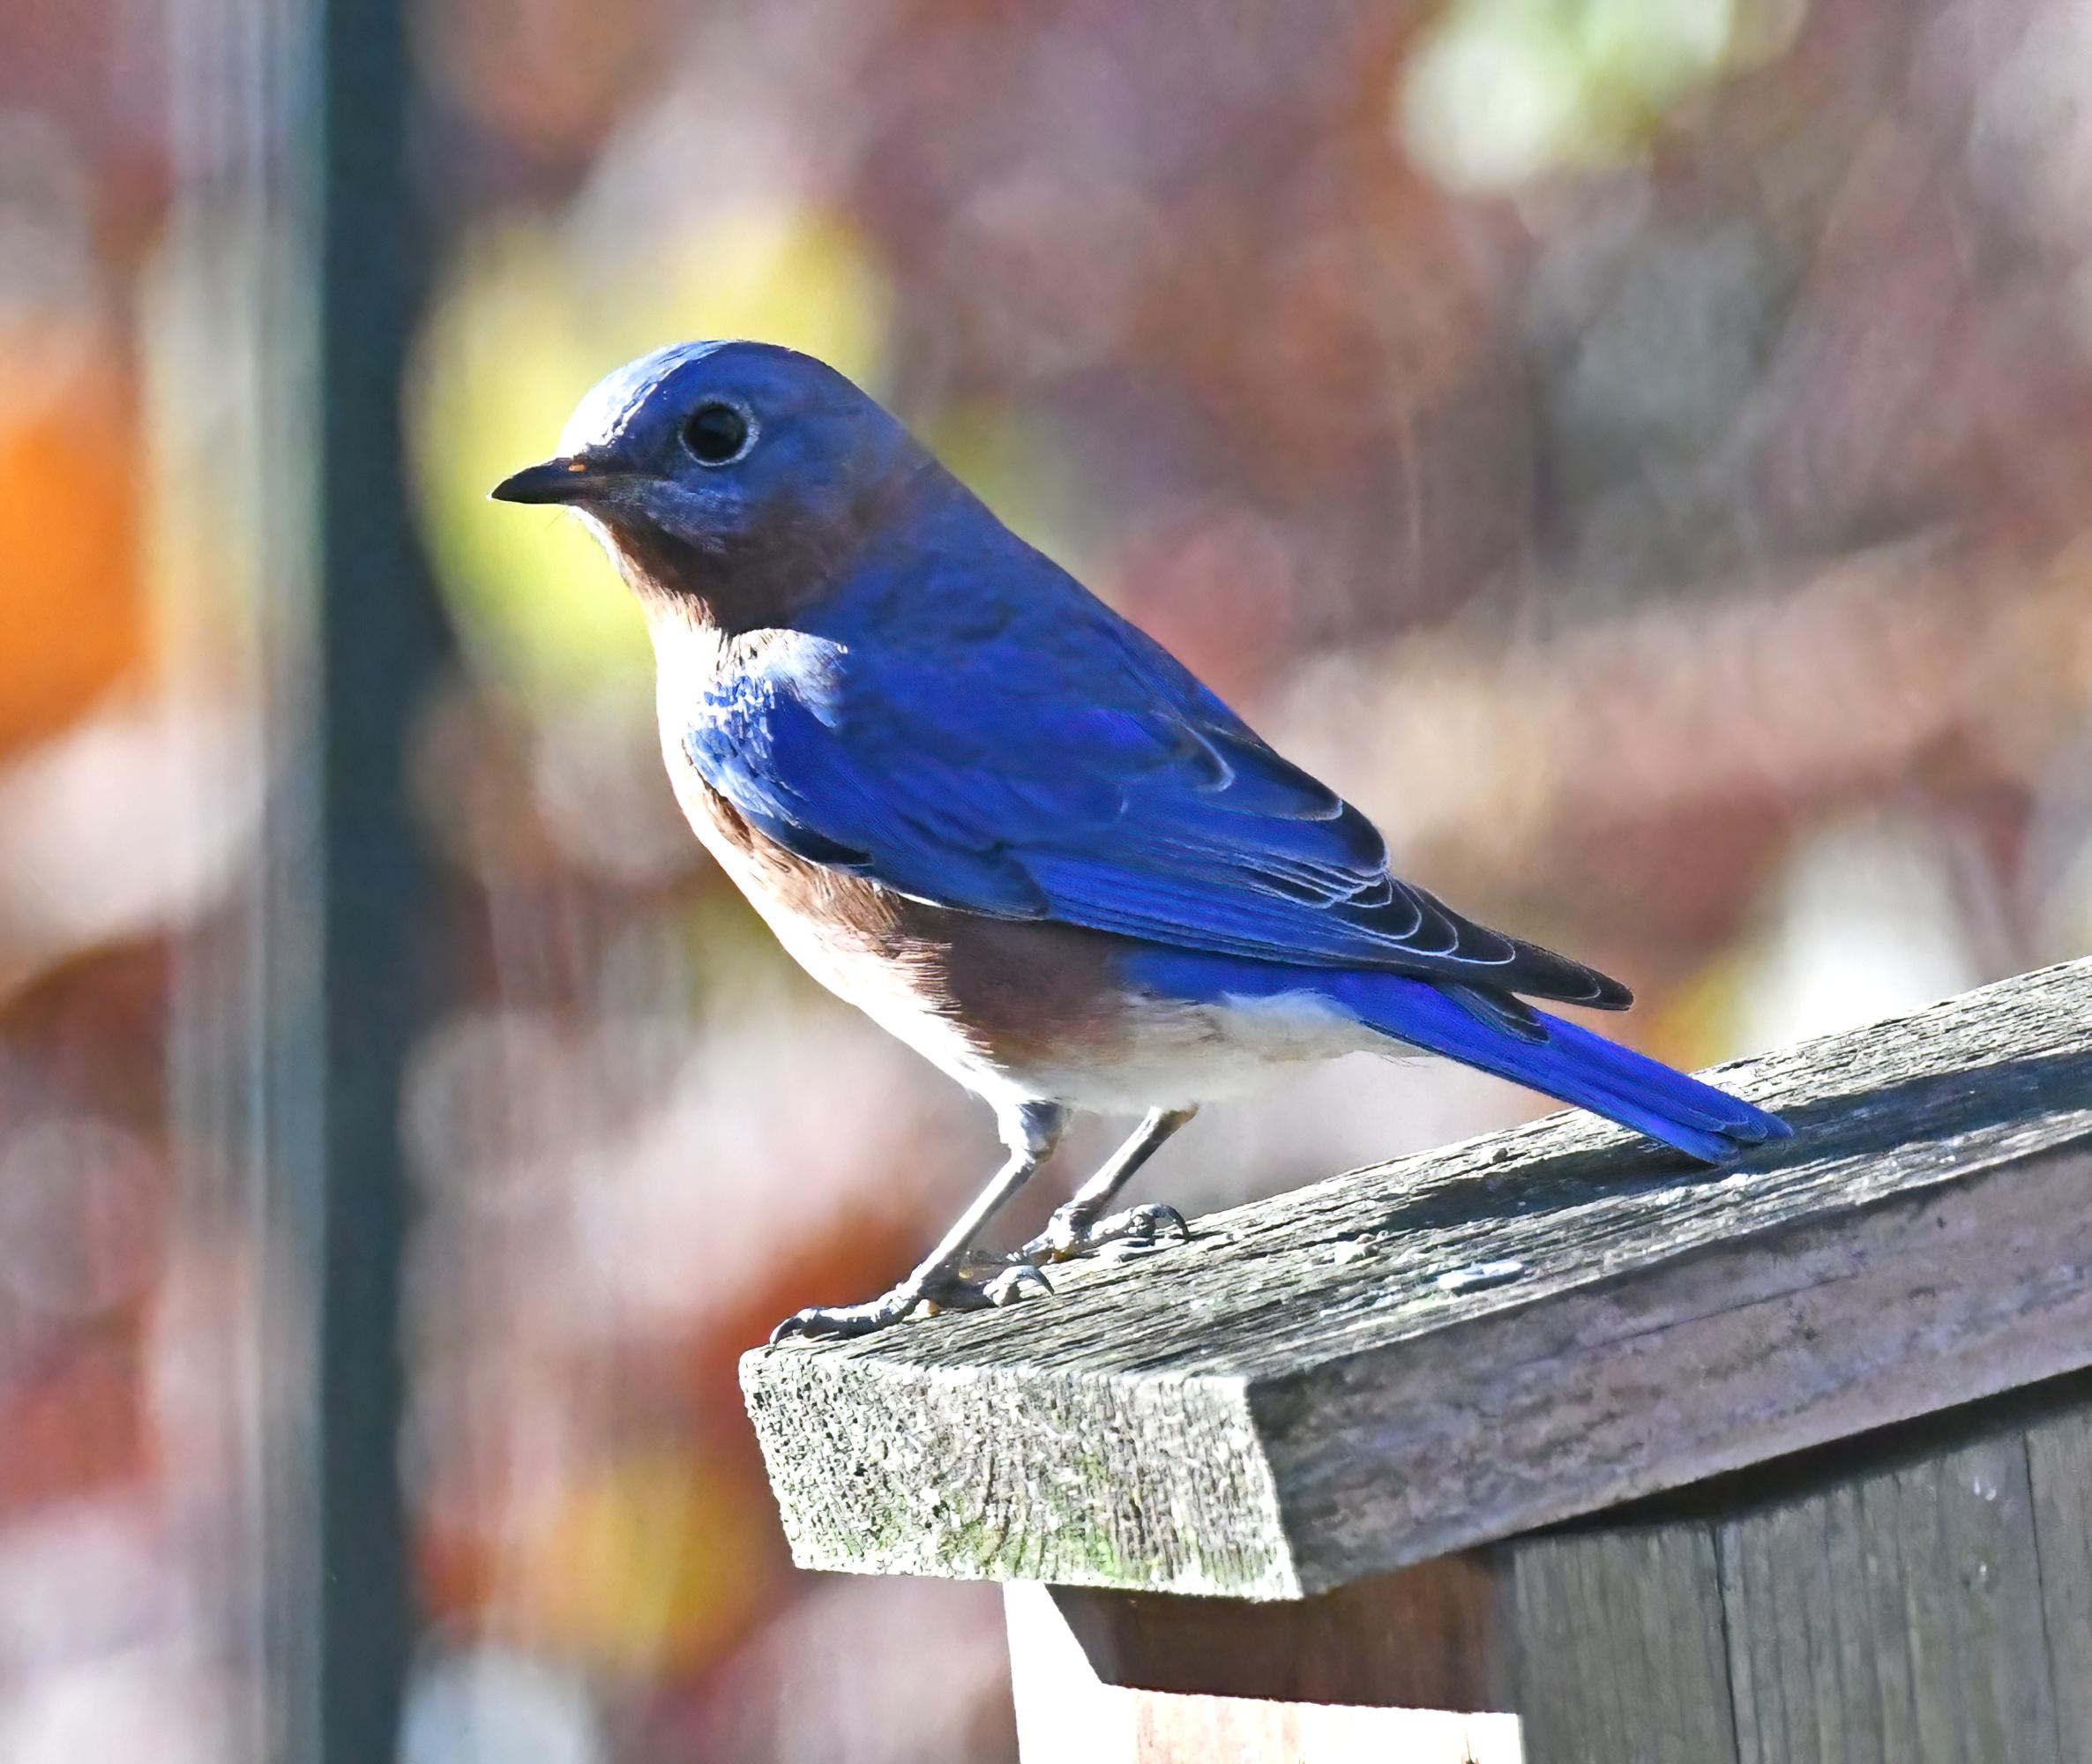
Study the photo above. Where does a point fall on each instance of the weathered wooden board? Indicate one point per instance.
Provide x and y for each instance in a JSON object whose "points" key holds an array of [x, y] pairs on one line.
{"points": [[1916, 1596], [1317, 1390], [2060, 1475], [1893, 1619], [1912, 1597], [1620, 1649]]}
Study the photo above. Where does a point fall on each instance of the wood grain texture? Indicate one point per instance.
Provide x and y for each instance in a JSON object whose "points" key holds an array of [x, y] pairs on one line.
{"points": [[1914, 1597], [1309, 1393], [1896, 1618], [1621, 1655], [2059, 1472]]}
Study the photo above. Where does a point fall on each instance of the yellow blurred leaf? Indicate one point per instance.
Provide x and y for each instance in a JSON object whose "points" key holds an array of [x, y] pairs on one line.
{"points": [[521, 329], [651, 1565]]}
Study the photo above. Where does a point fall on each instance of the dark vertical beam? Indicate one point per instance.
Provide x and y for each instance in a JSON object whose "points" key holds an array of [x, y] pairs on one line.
{"points": [[1895, 1615], [1620, 1649], [379, 643]]}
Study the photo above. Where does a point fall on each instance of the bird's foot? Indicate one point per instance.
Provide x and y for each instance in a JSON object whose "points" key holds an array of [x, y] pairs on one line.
{"points": [[1072, 1233], [976, 1285]]}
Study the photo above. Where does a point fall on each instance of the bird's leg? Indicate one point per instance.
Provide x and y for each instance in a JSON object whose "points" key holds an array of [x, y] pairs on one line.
{"points": [[1030, 1131], [1083, 1224]]}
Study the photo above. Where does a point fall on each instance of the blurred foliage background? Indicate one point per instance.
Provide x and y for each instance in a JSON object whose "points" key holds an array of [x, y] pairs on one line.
{"points": [[1638, 452]]}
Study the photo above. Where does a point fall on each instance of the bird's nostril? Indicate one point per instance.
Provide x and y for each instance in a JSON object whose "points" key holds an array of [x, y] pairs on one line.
{"points": [[556, 480]]}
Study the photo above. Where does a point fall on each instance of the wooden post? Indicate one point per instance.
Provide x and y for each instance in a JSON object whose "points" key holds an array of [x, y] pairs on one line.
{"points": [[380, 646], [1310, 1461]]}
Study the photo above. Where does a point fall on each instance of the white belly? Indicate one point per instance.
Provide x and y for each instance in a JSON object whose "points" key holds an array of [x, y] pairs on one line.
{"points": [[1176, 1055]]}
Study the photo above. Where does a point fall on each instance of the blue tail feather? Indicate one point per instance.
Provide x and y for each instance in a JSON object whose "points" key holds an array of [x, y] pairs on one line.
{"points": [[1570, 1062]]}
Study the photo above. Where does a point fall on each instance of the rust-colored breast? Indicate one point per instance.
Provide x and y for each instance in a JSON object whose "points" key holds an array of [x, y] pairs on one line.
{"points": [[1012, 994]]}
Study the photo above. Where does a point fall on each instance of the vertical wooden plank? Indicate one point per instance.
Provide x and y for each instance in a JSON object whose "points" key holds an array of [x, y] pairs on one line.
{"points": [[1895, 1617], [2060, 1466], [1808, 1601], [1620, 1656], [1972, 1588]]}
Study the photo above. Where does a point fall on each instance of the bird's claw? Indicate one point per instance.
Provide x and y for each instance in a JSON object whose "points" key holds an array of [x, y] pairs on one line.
{"points": [[1068, 1233], [976, 1286], [1016, 1283], [981, 1284], [841, 1322]]}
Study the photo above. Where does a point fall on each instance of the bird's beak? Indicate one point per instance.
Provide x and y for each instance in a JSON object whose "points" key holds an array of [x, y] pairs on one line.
{"points": [[573, 477]]}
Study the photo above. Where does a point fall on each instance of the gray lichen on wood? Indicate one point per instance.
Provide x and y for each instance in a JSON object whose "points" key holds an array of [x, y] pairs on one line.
{"points": [[1298, 1397]]}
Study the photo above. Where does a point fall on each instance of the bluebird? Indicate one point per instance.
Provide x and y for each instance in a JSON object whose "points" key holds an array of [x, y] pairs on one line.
{"points": [[1010, 827]]}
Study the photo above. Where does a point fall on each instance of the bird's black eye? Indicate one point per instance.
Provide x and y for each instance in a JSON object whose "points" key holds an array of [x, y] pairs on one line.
{"points": [[716, 434]]}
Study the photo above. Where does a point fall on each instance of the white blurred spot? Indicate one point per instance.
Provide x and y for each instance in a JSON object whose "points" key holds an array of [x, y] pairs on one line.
{"points": [[130, 821], [2030, 141], [77, 1580], [140, 1705], [496, 1706], [1502, 91], [1492, 99], [1866, 921]]}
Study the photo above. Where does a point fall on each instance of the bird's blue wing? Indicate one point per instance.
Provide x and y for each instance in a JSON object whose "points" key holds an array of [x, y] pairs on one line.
{"points": [[1076, 773]]}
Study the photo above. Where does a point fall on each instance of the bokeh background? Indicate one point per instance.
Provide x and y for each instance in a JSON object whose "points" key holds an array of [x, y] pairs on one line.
{"points": [[1640, 450]]}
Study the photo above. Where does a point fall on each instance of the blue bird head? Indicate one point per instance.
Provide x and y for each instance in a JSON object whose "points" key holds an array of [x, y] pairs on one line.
{"points": [[728, 472]]}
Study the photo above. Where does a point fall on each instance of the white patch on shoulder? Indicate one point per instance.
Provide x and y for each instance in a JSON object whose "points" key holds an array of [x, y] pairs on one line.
{"points": [[812, 665], [690, 657]]}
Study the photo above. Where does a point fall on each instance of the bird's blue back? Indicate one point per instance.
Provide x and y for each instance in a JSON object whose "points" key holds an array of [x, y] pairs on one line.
{"points": [[963, 722]]}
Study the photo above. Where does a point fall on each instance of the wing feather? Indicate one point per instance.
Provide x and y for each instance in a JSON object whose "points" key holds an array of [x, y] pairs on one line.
{"points": [[1090, 780]]}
